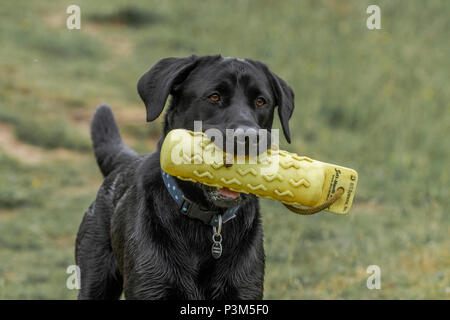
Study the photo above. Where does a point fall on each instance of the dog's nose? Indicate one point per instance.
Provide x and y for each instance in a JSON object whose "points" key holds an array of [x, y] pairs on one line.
{"points": [[247, 140]]}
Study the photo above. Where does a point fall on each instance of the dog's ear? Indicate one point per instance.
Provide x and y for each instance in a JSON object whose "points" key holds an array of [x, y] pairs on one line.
{"points": [[155, 85], [285, 103], [284, 97], [285, 100]]}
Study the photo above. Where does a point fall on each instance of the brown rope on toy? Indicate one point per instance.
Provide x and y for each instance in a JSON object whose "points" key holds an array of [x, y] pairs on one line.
{"points": [[339, 192]]}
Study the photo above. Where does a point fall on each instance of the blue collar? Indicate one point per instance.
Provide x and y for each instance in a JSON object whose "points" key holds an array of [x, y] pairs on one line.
{"points": [[192, 209]]}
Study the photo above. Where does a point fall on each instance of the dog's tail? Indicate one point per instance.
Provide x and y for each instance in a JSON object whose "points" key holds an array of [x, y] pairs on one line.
{"points": [[109, 149]]}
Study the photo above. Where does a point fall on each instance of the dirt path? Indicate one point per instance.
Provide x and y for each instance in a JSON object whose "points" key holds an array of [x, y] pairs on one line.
{"points": [[29, 154]]}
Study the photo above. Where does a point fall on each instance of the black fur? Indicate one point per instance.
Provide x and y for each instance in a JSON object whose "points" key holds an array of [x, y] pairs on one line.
{"points": [[132, 238]]}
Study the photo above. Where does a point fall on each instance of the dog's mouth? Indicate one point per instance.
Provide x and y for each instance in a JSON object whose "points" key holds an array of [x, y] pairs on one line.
{"points": [[229, 193], [222, 197]]}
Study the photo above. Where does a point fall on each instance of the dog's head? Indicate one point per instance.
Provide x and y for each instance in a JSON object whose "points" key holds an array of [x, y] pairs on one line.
{"points": [[222, 93]]}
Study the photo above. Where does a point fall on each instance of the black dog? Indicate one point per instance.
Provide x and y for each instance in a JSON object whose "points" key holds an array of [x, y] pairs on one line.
{"points": [[134, 238]]}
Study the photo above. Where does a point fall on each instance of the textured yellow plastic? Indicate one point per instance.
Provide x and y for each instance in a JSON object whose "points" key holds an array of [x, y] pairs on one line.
{"points": [[275, 174]]}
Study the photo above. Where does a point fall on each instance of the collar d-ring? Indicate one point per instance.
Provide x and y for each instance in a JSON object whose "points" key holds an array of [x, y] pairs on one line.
{"points": [[218, 229]]}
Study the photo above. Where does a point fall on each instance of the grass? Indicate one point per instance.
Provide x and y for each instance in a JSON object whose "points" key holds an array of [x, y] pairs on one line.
{"points": [[376, 101]]}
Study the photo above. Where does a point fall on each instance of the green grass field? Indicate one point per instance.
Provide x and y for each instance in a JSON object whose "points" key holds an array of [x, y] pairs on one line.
{"points": [[376, 101]]}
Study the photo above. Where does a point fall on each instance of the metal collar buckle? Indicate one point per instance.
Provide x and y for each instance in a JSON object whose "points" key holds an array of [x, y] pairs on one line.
{"points": [[216, 249], [185, 206]]}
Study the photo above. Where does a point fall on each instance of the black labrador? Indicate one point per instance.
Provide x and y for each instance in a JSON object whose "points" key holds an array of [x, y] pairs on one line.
{"points": [[133, 238]]}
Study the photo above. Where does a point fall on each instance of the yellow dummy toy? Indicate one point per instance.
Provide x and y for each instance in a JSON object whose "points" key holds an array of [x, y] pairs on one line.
{"points": [[296, 181]]}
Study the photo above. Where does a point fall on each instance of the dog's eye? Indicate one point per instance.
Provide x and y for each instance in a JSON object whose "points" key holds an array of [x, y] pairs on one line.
{"points": [[214, 97], [260, 101]]}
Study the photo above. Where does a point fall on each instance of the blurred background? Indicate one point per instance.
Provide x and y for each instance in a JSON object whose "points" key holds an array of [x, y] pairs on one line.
{"points": [[376, 101]]}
